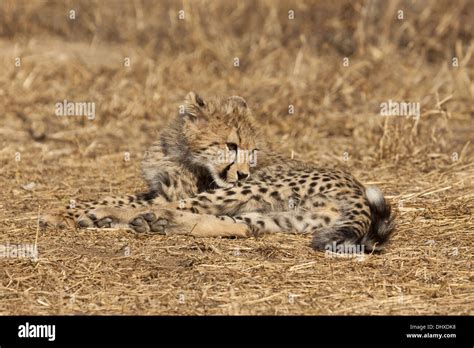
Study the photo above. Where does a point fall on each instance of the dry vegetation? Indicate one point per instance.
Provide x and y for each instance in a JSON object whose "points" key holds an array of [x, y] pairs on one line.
{"points": [[424, 166]]}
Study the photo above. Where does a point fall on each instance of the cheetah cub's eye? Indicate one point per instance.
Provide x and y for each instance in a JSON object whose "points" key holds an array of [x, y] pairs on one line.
{"points": [[232, 146]]}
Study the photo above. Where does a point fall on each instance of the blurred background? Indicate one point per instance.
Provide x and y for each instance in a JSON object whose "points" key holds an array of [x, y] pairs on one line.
{"points": [[330, 60]]}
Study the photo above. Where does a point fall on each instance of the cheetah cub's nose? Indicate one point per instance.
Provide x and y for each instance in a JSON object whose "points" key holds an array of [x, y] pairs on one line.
{"points": [[242, 176]]}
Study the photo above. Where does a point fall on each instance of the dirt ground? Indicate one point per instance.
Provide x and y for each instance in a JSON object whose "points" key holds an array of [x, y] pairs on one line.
{"points": [[137, 60]]}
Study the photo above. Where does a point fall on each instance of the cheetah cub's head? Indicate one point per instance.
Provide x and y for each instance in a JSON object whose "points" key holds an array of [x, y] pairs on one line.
{"points": [[220, 136]]}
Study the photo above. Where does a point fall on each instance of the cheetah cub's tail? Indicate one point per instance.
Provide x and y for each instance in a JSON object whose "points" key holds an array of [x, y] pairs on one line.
{"points": [[382, 222]]}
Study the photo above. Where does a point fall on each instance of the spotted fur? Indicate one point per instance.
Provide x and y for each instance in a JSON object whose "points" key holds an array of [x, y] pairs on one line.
{"points": [[197, 187]]}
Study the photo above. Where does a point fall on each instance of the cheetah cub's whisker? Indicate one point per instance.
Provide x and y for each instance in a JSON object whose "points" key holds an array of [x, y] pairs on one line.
{"points": [[195, 190]]}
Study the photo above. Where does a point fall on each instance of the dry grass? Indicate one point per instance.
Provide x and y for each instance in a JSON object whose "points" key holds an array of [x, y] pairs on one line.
{"points": [[424, 166]]}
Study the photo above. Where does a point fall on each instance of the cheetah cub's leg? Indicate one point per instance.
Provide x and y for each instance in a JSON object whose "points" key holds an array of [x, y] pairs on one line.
{"points": [[288, 222], [114, 211], [109, 217], [169, 221], [308, 216], [152, 219]]}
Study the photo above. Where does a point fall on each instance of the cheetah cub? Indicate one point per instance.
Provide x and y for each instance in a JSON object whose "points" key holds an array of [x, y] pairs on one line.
{"points": [[211, 174]]}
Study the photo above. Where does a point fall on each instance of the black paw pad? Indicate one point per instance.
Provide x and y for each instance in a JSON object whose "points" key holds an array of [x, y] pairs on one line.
{"points": [[83, 223], [91, 216], [139, 225], [159, 226], [105, 222], [149, 217]]}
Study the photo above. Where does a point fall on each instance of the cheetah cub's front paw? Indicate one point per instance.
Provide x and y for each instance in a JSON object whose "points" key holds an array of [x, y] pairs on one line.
{"points": [[149, 222], [104, 217]]}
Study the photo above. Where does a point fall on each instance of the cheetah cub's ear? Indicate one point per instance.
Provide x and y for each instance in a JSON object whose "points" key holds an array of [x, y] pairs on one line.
{"points": [[238, 101], [194, 106]]}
